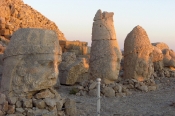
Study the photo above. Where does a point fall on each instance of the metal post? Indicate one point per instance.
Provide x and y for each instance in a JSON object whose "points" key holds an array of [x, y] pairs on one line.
{"points": [[98, 96]]}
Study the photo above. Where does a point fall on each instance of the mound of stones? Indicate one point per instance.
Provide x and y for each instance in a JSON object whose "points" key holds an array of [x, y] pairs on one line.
{"points": [[15, 14], [46, 102], [121, 88]]}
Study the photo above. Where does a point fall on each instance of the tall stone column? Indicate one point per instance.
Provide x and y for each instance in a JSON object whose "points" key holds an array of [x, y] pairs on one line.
{"points": [[105, 55], [138, 55]]}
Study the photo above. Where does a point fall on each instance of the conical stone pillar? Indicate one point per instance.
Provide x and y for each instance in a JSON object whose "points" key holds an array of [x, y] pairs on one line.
{"points": [[138, 55], [105, 55]]}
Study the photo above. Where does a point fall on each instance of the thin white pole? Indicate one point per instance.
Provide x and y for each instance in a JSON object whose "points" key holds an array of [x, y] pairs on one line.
{"points": [[98, 96]]}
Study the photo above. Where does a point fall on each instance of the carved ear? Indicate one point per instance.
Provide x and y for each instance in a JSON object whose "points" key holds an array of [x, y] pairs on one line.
{"points": [[21, 71]]}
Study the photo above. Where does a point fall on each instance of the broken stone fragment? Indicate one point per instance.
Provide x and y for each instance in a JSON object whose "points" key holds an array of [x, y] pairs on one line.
{"points": [[108, 92]]}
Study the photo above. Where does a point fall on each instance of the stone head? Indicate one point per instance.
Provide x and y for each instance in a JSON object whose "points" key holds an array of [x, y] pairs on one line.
{"points": [[30, 61]]}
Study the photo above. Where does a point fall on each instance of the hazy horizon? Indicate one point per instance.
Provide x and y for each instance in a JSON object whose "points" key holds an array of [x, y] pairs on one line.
{"points": [[75, 18]]}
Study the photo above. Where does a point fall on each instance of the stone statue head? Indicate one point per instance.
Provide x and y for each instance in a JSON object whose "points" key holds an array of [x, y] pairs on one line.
{"points": [[30, 61]]}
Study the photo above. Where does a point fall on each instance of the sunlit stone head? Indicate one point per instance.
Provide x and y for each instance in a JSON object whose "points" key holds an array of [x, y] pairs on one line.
{"points": [[30, 61]]}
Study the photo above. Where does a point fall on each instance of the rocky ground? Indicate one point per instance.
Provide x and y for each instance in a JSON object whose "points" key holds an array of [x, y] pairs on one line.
{"points": [[152, 103]]}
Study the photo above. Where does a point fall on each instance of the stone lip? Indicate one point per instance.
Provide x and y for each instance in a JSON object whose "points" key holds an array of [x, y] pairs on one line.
{"points": [[45, 42]]}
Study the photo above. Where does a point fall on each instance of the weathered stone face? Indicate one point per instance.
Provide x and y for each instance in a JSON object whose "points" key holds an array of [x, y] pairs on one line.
{"points": [[138, 55], [105, 55], [32, 59]]}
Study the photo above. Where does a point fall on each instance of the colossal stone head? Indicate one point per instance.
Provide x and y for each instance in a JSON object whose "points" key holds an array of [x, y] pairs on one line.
{"points": [[30, 61], [105, 55], [138, 55]]}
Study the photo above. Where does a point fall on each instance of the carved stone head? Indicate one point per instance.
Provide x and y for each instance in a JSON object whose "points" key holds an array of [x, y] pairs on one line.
{"points": [[30, 61]]}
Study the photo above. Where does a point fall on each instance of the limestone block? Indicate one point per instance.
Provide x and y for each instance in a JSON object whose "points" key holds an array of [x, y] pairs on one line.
{"points": [[93, 85], [32, 61], [73, 72], [105, 55], [11, 109], [20, 110], [50, 102], [27, 103], [138, 55], [108, 92], [40, 104], [70, 107], [59, 105], [44, 94], [18, 104], [12, 100]]}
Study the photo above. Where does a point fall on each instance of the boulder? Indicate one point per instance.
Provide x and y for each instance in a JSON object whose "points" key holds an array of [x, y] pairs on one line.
{"points": [[108, 92], [138, 55], [105, 54], [160, 45], [72, 69], [169, 58]]}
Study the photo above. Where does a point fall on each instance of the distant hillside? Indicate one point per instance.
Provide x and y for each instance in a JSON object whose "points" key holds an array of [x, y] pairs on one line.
{"points": [[14, 14]]}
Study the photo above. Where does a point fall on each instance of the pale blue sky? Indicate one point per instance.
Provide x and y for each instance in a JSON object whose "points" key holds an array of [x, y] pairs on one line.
{"points": [[75, 17]]}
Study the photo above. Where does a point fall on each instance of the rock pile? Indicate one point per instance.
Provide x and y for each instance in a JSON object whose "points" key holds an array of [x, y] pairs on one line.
{"points": [[105, 55], [120, 88], [164, 60], [45, 102], [138, 55], [15, 14]]}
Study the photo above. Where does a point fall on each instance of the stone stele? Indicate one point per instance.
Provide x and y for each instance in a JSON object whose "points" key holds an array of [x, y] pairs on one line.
{"points": [[30, 62], [138, 55], [105, 55]]}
